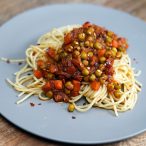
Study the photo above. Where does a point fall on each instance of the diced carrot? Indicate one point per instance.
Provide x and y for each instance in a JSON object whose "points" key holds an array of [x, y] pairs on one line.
{"points": [[86, 24], [93, 60], [66, 99], [58, 84], [123, 40], [46, 87], [110, 71], [115, 43], [67, 38], [58, 98], [127, 46], [37, 74], [77, 63], [101, 52], [53, 68], [71, 70], [95, 85], [40, 63], [78, 76], [74, 93], [76, 85], [51, 52]]}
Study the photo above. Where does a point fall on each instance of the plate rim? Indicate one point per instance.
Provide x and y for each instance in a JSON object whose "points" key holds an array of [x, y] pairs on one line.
{"points": [[72, 142], [65, 140], [70, 3]]}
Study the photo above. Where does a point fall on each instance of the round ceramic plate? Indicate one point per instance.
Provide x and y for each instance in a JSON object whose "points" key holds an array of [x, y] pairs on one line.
{"points": [[51, 120]]}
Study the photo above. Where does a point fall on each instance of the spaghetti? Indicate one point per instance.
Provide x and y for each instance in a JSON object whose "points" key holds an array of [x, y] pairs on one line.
{"points": [[31, 81]]}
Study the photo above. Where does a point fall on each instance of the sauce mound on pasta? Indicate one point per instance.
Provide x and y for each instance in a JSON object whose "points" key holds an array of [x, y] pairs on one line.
{"points": [[86, 57], [79, 62]]}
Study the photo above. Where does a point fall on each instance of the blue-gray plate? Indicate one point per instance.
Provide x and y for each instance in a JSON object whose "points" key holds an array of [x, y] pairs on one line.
{"points": [[51, 120]]}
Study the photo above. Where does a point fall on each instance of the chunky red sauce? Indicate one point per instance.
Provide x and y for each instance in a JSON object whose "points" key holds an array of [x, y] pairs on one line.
{"points": [[87, 55]]}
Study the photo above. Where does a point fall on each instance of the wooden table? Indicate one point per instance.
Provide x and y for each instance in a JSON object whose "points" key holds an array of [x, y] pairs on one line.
{"points": [[13, 136]]}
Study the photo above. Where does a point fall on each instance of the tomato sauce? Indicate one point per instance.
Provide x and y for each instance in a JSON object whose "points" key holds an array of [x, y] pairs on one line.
{"points": [[87, 55]]}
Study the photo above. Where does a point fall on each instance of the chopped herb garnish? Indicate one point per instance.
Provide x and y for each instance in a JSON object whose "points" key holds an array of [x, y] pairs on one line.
{"points": [[32, 104], [20, 63], [84, 103], [8, 61], [73, 117]]}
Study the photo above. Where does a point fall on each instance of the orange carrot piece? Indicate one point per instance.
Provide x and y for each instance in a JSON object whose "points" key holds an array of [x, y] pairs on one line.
{"points": [[95, 85], [101, 52], [76, 85], [67, 38], [115, 43], [40, 63], [37, 74], [58, 84]]}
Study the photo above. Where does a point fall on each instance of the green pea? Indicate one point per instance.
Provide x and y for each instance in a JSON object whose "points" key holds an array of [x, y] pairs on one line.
{"points": [[102, 59], [85, 72], [66, 91], [101, 67], [110, 33], [81, 44], [92, 77], [81, 36], [71, 107], [87, 43], [117, 94], [69, 85], [49, 94], [108, 53], [91, 44], [103, 78], [108, 39], [108, 48], [94, 35], [113, 53], [75, 43], [70, 48], [121, 49], [50, 75], [98, 73], [84, 55], [97, 45], [63, 54], [76, 53], [119, 54], [110, 86], [90, 38], [90, 31], [78, 48], [85, 62], [114, 49], [117, 86], [59, 51], [90, 54]]}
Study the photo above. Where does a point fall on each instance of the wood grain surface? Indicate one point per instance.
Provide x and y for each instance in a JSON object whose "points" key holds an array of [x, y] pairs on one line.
{"points": [[13, 136]]}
